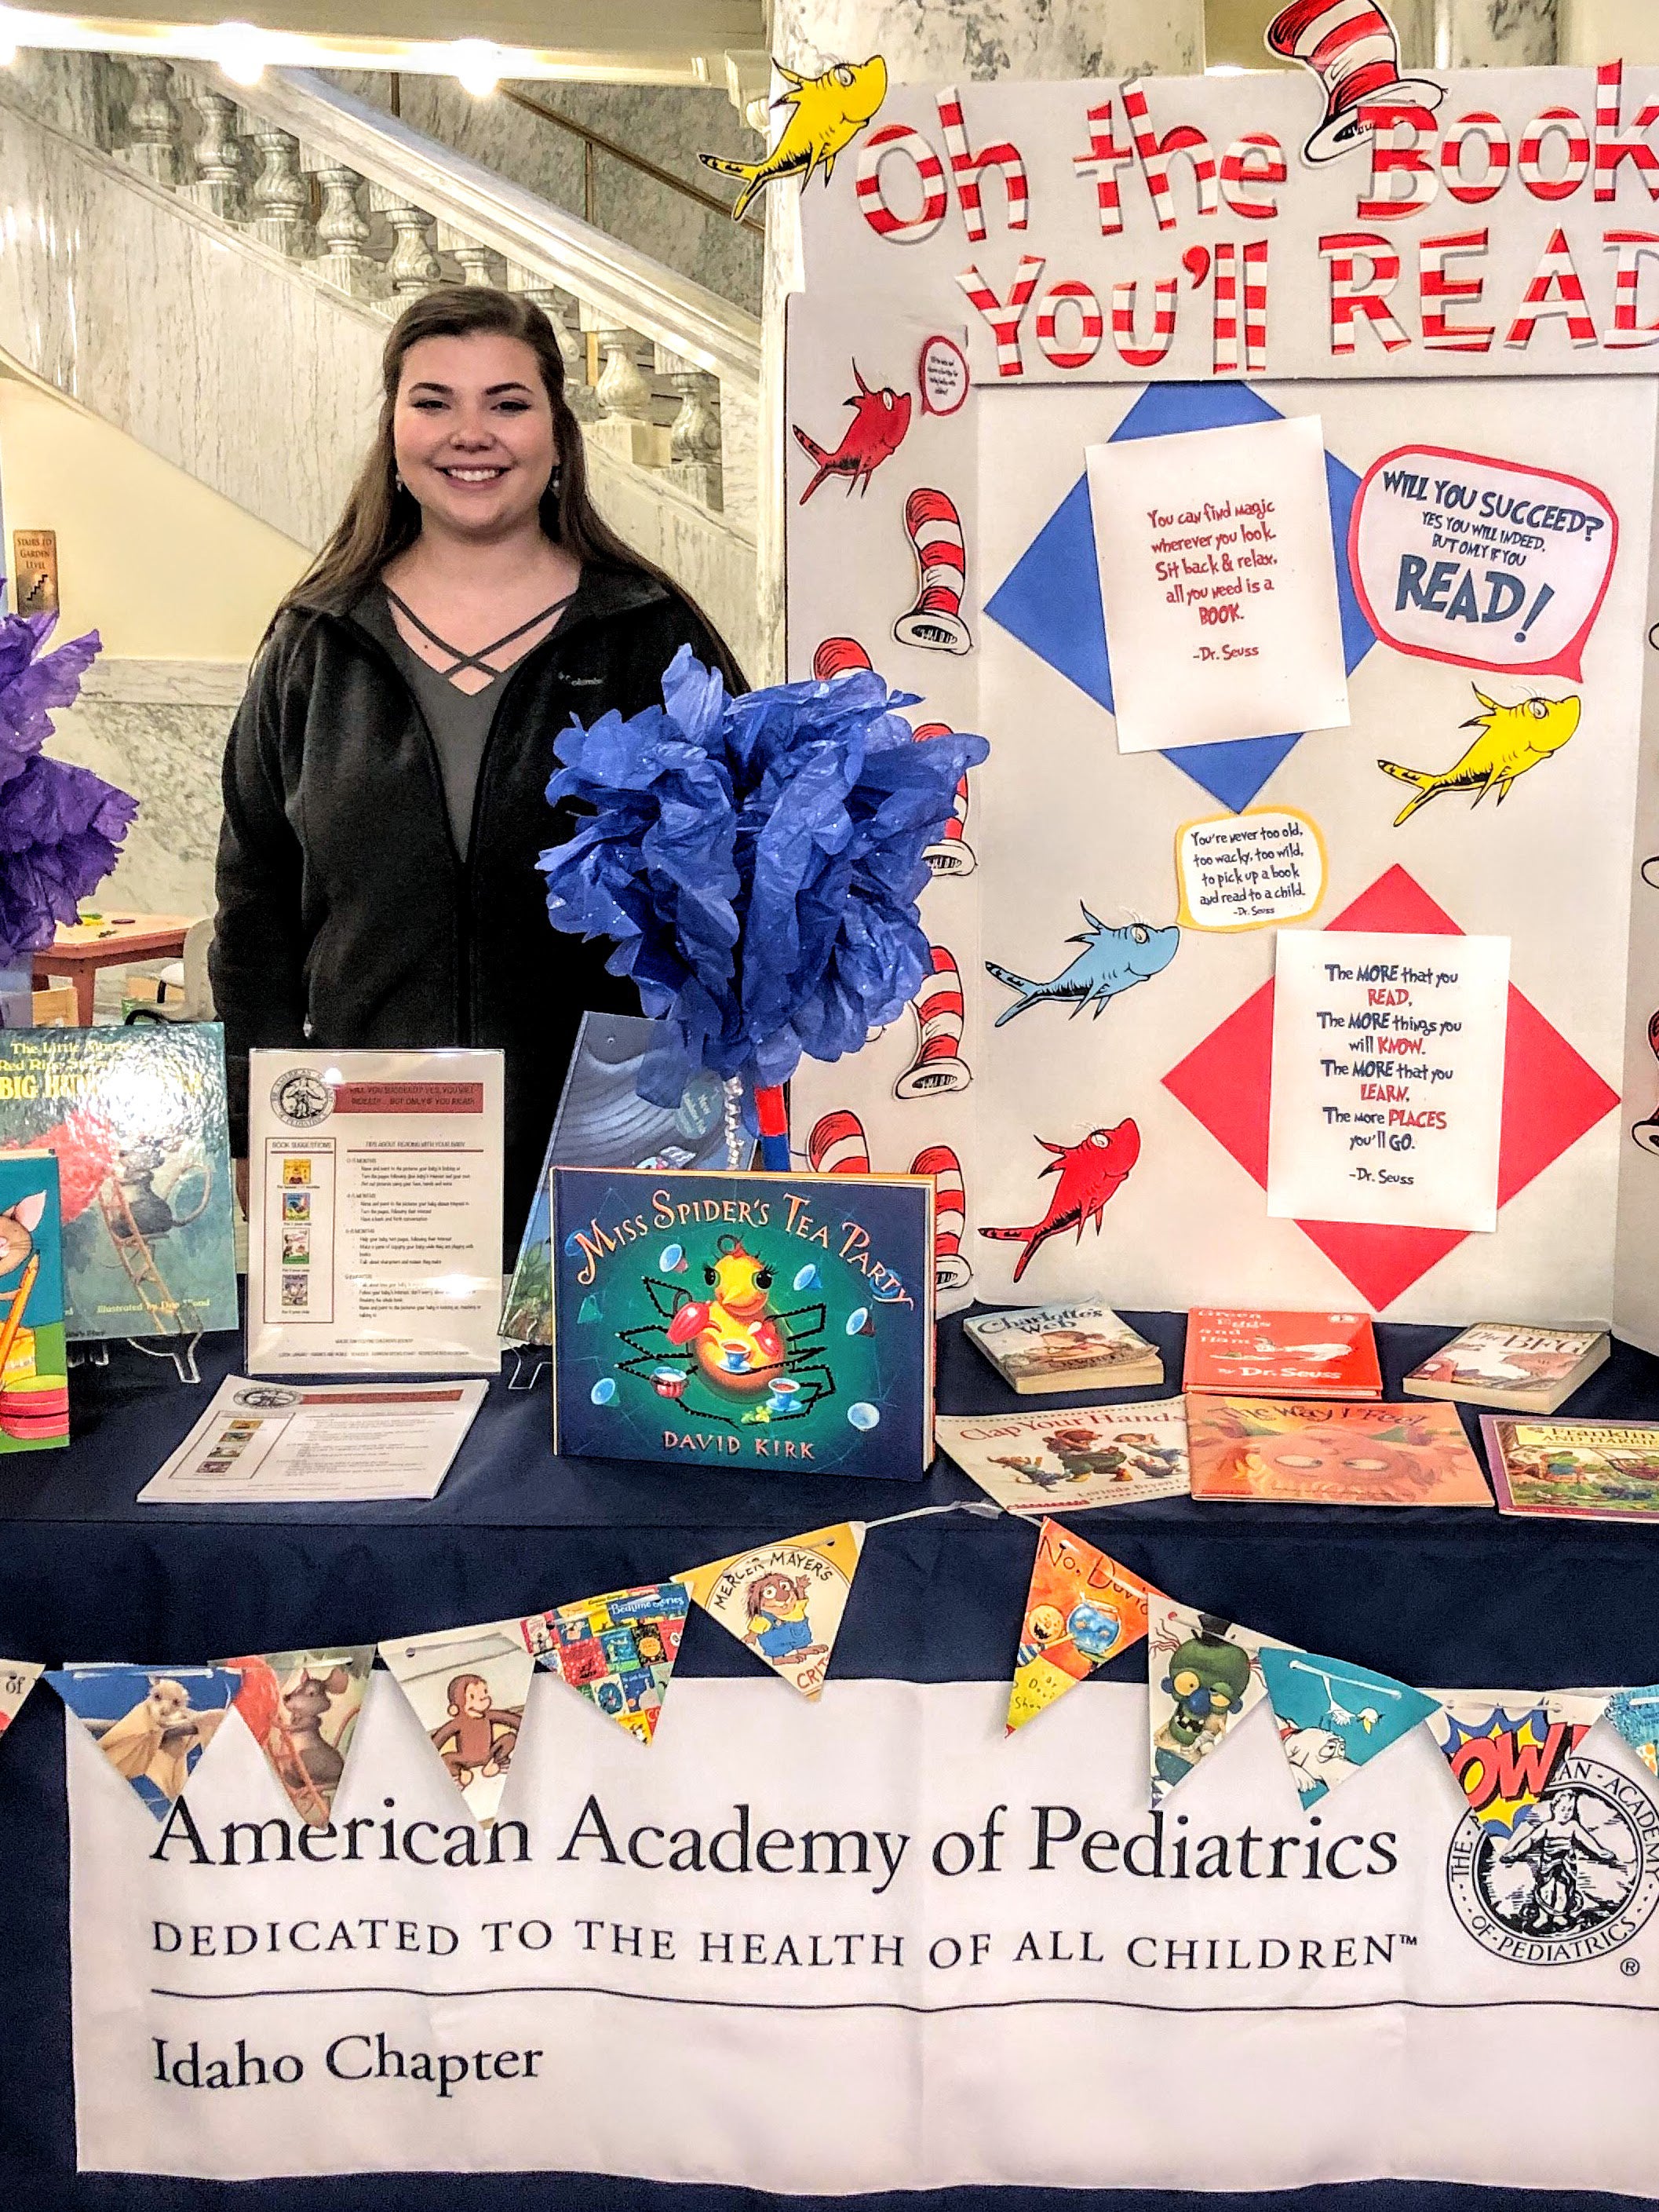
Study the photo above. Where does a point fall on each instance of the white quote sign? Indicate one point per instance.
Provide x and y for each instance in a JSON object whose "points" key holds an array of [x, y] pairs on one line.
{"points": [[1388, 1079], [1248, 870], [781, 1950], [1217, 580]]}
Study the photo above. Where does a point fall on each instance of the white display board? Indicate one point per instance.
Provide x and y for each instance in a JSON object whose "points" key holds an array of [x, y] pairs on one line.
{"points": [[1466, 305]]}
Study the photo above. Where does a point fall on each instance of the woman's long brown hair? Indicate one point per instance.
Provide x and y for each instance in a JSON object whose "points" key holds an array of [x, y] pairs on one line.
{"points": [[380, 521]]}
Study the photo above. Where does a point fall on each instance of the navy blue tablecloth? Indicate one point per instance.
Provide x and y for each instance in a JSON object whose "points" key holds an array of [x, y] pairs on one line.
{"points": [[1444, 1596]]}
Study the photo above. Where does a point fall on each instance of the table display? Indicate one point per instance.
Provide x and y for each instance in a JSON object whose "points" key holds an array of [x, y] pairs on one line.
{"points": [[80, 950]]}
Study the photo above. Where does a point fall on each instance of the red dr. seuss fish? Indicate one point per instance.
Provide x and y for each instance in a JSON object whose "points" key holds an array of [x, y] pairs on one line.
{"points": [[879, 422], [1089, 1174]]}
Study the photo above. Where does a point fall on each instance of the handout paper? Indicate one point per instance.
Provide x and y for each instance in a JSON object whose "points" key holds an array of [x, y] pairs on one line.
{"points": [[264, 1443]]}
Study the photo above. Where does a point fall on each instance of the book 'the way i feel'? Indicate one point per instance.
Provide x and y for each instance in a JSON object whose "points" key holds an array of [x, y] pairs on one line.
{"points": [[752, 1321]]}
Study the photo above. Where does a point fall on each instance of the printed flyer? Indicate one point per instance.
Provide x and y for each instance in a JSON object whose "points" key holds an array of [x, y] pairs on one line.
{"points": [[374, 1236]]}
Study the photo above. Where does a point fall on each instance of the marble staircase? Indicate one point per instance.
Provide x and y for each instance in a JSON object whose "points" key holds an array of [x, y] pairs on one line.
{"points": [[212, 268]]}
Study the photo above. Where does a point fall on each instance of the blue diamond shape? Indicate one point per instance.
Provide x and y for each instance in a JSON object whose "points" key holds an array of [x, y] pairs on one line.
{"points": [[1050, 599]]}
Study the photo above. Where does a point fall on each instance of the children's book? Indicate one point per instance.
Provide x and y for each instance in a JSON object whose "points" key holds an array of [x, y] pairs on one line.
{"points": [[1574, 1470], [603, 1122], [1072, 1457], [34, 1361], [1251, 1354], [1532, 1370], [1300, 1452], [1079, 1346], [136, 1119], [774, 1322]]}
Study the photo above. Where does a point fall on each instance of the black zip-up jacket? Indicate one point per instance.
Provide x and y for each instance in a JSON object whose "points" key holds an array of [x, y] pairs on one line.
{"points": [[346, 915]]}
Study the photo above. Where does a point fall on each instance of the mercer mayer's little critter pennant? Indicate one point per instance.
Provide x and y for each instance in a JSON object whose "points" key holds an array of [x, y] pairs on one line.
{"points": [[152, 1723], [1081, 1609], [302, 1709], [1335, 1717], [785, 1600], [619, 1650], [1203, 1674]]}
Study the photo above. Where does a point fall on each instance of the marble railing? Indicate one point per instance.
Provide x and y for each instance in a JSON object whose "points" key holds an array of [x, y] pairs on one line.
{"points": [[663, 374]]}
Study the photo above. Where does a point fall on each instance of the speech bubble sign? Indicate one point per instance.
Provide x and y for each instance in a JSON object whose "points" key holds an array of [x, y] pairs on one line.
{"points": [[1248, 870], [1481, 562], [942, 375]]}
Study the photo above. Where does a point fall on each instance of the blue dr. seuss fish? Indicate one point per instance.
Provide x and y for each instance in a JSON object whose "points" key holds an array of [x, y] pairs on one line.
{"points": [[1112, 960]]}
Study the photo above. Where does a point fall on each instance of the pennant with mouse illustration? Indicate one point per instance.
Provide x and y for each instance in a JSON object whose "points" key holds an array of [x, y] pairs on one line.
{"points": [[301, 1708], [784, 1602], [1081, 1609], [1334, 1717]]}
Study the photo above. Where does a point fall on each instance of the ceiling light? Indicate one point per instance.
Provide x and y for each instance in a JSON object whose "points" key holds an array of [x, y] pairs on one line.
{"points": [[477, 66], [240, 50]]}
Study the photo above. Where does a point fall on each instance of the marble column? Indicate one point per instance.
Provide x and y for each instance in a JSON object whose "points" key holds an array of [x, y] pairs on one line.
{"points": [[1494, 33], [969, 41]]}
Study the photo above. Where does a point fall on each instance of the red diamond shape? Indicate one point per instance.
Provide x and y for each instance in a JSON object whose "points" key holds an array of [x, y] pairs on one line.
{"points": [[1551, 1096]]}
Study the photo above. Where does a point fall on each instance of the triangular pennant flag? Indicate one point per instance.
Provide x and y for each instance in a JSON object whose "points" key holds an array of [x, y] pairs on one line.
{"points": [[1335, 1717], [785, 1600], [17, 1678], [468, 1687], [1203, 1675], [1635, 1714], [1504, 1746], [619, 1650], [302, 1708], [1081, 1609], [152, 1723]]}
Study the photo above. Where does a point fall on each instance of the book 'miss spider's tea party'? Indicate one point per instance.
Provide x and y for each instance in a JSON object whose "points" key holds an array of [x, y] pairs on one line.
{"points": [[744, 1320]]}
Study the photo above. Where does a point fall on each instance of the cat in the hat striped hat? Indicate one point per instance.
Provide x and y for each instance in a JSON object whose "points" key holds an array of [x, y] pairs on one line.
{"points": [[1353, 50]]}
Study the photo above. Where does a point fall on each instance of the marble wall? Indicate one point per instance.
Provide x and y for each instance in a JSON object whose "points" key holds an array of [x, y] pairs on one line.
{"points": [[157, 728], [668, 125]]}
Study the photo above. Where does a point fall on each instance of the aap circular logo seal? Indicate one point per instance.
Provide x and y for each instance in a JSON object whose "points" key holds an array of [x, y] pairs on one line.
{"points": [[301, 1098], [1577, 1878]]}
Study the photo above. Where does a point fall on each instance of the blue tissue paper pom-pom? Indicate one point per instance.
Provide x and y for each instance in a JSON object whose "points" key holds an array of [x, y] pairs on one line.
{"points": [[757, 862]]}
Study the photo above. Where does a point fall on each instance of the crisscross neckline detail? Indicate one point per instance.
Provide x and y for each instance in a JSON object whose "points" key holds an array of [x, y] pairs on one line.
{"points": [[480, 660]]}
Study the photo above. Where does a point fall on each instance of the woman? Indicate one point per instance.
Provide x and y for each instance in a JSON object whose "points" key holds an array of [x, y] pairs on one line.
{"points": [[385, 780]]}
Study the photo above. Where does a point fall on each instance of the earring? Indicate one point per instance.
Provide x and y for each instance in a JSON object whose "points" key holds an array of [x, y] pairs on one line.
{"points": [[555, 479], [398, 482]]}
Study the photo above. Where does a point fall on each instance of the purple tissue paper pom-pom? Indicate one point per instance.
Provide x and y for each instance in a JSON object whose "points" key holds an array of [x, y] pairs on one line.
{"points": [[757, 862], [61, 826]]}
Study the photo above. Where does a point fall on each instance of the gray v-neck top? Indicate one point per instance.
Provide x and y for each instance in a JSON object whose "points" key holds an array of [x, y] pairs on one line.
{"points": [[458, 720]]}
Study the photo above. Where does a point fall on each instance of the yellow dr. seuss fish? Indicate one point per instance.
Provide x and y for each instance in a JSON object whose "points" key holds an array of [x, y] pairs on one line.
{"points": [[1512, 739], [829, 112]]}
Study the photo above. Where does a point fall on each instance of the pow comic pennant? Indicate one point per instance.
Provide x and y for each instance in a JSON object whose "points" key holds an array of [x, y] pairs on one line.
{"points": [[1635, 1714], [1504, 1746], [1081, 1609], [1203, 1675], [619, 1650], [1334, 1717], [468, 1686], [301, 1708], [17, 1678], [152, 1723], [785, 1600]]}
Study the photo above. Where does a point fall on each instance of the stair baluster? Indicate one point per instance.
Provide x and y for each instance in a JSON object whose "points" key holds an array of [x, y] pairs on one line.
{"points": [[413, 268], [154, 145], [625, 429], [342, 231], [220, 185], [281, 197]]}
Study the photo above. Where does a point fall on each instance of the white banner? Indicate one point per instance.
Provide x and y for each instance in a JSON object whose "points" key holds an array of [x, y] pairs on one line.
{"points": [[863, 1945]]}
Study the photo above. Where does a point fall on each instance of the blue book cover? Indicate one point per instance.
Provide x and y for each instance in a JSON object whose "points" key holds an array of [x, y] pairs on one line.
{"points": [[34, 1355], [136, 1119], [603, 1122], [772, 1322]]}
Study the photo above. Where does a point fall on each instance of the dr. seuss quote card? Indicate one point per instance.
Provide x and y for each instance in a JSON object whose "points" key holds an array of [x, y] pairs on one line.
{"points": [[1388, 1079], [744, 1320]]}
